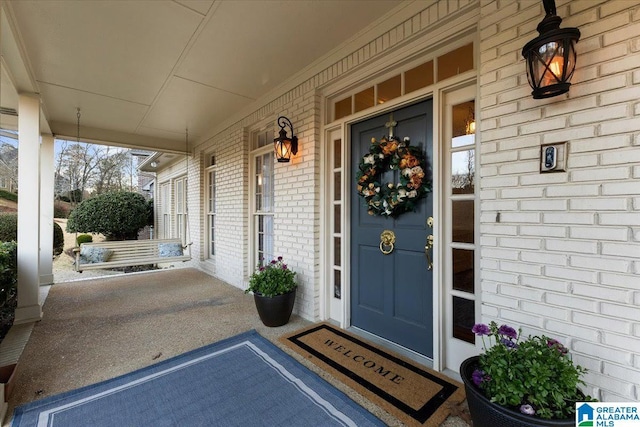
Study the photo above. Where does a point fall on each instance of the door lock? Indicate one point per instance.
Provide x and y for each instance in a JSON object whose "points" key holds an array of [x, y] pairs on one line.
{"points": [[428, 248]]}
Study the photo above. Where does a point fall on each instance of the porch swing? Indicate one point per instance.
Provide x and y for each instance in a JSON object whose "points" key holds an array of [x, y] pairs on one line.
{"points": [[128, 253]]}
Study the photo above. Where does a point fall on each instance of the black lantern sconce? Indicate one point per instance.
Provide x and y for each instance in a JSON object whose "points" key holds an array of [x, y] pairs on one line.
{"points": [[551, 57], [283, 145]]}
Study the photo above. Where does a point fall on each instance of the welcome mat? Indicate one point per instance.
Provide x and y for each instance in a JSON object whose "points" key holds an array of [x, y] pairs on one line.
{"points": [[241, 381], [416, 395]]}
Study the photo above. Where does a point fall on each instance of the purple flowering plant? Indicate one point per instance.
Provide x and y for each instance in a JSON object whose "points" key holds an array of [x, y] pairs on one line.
{"points": [[272, 279], [535, 376]]}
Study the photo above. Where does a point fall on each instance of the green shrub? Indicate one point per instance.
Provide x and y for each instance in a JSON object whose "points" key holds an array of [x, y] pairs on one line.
{"points": [[8, 195], [118, 215], [9, 232], [8, 227], [83, 238], [8, 271], [58, 239]]}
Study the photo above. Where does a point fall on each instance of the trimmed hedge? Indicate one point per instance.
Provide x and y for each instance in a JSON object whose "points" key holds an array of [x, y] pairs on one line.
{"points": [[84, 238], [8, 272], [9, 232], [9, 195], [118, 215]]}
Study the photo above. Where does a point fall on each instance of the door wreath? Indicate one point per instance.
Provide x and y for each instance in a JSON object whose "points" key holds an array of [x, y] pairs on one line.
{"points": [[389, 199]]}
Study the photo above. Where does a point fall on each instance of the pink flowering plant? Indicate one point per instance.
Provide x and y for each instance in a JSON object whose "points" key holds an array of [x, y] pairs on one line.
{"points": [[535, 375], [272, 279]]}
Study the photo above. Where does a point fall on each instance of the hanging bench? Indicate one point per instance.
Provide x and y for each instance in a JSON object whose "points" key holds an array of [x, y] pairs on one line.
{"points": [[126, 253]]}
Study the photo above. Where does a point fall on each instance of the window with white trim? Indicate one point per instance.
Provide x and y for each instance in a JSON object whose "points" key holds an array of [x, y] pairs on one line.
{"points": [[165, 210], [263, 177], [210, 179], [181, 208]]}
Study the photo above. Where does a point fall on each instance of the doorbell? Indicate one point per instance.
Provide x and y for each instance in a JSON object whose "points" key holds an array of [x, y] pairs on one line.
{"points": [[553, 157]]}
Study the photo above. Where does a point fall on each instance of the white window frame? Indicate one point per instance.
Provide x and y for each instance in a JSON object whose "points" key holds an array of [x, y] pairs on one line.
{"points": [[180, 205], [210, 180], [165, 209], [262, 145]]}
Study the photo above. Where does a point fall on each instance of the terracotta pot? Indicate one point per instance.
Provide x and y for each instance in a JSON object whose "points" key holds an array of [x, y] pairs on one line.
{"points": [[275, 311], [488, 414]]}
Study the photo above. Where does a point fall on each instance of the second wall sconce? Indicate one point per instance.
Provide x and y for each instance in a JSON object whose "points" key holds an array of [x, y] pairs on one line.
{"points": [[551, 57], [283, 145]]}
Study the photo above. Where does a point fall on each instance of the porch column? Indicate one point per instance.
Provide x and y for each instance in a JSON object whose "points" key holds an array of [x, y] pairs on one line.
{"points": [[29, 309], [46, 209]]}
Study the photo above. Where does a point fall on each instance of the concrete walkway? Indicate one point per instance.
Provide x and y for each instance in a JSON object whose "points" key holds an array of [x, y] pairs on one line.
{"points": [[97, 329]]}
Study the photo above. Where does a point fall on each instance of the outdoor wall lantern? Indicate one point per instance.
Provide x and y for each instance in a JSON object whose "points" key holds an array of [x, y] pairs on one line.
{"points": [[284, 145], [551, 57]]}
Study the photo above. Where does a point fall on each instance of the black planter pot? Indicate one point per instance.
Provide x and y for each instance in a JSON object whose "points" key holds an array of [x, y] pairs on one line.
{"points": [[488, 414], [275, 311]]}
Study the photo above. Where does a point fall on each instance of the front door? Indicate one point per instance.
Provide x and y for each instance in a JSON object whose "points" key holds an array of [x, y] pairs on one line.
{"points": [[392, 294]]}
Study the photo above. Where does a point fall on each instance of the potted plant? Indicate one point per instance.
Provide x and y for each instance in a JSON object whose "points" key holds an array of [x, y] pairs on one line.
{"points": [[521, 383], [274, 292]]}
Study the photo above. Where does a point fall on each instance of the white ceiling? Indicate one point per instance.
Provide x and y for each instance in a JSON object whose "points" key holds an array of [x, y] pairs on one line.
{"points": [[143, 71]]}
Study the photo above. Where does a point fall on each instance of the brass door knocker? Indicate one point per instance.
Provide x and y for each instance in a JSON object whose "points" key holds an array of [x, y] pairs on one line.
{"points": [[387, 239]]}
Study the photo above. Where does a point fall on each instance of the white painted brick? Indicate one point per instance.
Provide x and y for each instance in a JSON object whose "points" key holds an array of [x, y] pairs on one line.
{"points": [[498, 276], [577, 246], [522, 117], [609, 383], [613, 6], [499, 157], [570, 330], [601, 322], [573, 190], [600, 85], [601, 352], [520, 243], [600, 293], [600, 143], [546, 125], [499, 301], [488, 310], [488, 147], [601, 204], [620, 311], [603, 174], [568, 218], [628, 281], [545, 258], [521, 193], [543, 179], [582, 161], [630, 219], [620, 126], [501, 110], [500, 181], [621, 250], [520, 217], [580, 275], [522, 318], [522, 268], [499, 229], [599, 233], [570, 301], [622, 341], [621, 188], [544, 311], [601, 55], [500, 133], [569, 134], [543, 231], [620, 157], [599, 115], [599, 263], [544, 205], [499, 253]]}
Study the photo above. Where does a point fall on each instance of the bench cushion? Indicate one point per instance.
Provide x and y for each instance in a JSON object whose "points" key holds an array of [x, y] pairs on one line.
{"points": [[93, 254], [169, 249]]}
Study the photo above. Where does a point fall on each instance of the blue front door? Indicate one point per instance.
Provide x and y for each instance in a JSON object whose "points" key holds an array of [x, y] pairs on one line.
{"points": [[392, 294]]}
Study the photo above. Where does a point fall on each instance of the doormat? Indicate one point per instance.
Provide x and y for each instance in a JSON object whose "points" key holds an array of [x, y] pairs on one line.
{"points": [[241, 381], [417, 395]]}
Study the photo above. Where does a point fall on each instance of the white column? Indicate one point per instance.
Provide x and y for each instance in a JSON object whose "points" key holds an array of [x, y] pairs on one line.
{"points": [[46, 209], [29, 308]]}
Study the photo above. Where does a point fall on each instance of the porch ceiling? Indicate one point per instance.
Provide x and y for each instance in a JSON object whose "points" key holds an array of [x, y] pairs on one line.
{"points": [[143, 71]]}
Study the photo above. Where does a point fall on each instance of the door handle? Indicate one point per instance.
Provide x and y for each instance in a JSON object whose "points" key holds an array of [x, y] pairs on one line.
{"points": [[428, 248], [427, 251]]}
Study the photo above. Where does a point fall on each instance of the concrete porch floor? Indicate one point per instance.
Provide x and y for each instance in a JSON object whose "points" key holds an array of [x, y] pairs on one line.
{"points": [[97, 329]]}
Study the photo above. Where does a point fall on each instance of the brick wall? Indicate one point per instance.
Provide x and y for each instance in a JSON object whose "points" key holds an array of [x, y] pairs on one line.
{"points": [[560, 251]]}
